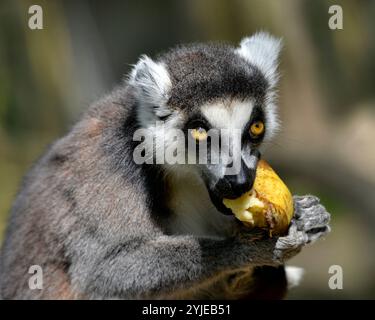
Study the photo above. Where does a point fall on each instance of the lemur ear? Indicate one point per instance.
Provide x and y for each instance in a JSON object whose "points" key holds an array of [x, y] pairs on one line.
{"points": [[262, 50], [152, 83]]}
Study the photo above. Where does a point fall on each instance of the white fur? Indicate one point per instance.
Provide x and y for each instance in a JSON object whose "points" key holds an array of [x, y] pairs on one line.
{"points": [[228, 114], [294, 276], [235, 114], [272, 119], [161, 135], [263, 51], [152, 83]]}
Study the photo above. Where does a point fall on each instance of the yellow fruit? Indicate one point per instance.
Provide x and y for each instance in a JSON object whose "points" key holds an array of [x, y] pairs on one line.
{"points": [[268, 205]]}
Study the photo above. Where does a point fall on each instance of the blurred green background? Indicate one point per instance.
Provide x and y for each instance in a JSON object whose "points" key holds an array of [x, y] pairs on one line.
{"points": [[327, 99]]}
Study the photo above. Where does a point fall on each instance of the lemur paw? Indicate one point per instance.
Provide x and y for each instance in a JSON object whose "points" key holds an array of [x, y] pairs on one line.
{"points": [[310, 222]]}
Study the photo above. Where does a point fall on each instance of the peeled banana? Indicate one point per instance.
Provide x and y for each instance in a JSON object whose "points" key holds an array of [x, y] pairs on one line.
{"points": [[268, 205]]}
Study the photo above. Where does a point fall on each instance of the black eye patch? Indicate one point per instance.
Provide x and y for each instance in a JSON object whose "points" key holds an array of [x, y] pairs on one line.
{"points": [[256, 115], [161, 117], [197, 121], [164, 118]]}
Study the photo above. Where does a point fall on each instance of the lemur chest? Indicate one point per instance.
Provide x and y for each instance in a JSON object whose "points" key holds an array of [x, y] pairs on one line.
{"points": [[193, 211]]}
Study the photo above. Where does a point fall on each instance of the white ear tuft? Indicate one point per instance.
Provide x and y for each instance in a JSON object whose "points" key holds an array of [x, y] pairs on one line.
{"points": [[151, 80], [152, 84], [262, 50]]}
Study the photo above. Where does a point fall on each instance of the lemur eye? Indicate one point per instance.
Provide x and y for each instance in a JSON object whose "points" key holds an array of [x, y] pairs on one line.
{"points": [[199, 134], [257, 128]]}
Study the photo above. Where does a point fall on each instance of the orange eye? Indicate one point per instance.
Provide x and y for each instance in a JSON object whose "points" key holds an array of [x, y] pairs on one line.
{"points": [[199, 134], [257, 128]]}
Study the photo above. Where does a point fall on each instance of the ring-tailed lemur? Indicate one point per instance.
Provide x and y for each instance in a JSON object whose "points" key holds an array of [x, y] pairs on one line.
{"points": [[102, 226]]}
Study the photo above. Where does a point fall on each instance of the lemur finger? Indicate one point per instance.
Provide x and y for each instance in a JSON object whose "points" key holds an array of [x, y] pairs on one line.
{"points": [[314, 217], [317, 233], [305, 201], [294, 239], [288, 246], [302, 202], [306, 197]]}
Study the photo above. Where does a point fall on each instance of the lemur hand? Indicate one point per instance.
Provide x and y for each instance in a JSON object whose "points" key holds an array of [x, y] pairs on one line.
{"points": [[310, 222]]}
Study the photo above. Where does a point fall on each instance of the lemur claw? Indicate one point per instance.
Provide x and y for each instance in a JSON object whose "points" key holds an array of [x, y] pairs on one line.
{"points": [[310, 223]]}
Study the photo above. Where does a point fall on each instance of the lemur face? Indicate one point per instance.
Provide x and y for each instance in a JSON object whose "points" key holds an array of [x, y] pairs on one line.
{"points": [[216, 96]]}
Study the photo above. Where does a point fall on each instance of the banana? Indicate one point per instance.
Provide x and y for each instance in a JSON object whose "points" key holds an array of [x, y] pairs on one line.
{"points": [[268, 205]]}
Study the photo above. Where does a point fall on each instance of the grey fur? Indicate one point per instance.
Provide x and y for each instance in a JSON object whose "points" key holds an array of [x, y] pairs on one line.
{"points": [[98, 224], [202, 73]]}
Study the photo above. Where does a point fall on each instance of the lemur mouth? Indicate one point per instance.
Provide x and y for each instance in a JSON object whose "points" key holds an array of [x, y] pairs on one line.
{"points": [[218, 203]]}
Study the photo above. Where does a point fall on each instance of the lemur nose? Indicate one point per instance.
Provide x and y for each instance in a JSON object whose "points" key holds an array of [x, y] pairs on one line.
{"points": [[242, 182]]}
